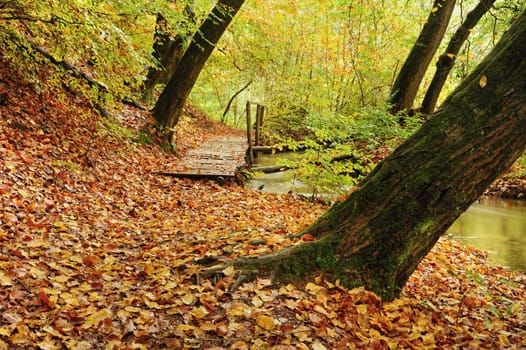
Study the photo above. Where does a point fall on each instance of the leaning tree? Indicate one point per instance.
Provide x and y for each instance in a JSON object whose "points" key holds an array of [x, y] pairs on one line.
{"points": [[381, 232]]}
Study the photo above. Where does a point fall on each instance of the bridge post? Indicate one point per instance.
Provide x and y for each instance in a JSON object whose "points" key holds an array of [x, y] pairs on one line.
{"points": [[249, 135], [259, 123]]}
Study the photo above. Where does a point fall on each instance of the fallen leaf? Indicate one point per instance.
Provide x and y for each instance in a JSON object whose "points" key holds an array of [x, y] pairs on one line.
{"points": [[188, 299], [265, 322], [229, 271], [483, 81], [5, 281], [318, 346]]}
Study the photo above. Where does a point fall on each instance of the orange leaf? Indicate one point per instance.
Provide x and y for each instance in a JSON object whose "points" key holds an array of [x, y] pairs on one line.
{"points": [[44, 299], [90, 260], [308, 237]]}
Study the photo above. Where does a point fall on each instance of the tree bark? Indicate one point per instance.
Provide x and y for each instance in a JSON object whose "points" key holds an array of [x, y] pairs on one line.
{"points": [[167, 51], [406, 85], [447, 60], [381, 232], [168, 48], [170, 104]]}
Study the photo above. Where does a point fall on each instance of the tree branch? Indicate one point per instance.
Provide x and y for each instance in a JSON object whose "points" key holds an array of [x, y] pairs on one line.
{"points": [[79, 74], [232, 99]]}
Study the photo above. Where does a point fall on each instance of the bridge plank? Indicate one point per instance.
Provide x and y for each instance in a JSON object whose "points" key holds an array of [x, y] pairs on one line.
{"points": [[216, 157]]}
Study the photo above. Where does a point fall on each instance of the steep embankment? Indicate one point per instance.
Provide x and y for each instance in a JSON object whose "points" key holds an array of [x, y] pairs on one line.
{"points": [[98, 252]]}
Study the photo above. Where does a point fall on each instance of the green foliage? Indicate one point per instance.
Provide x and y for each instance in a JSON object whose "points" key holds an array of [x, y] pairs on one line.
{"points": [[109, 127], [317, 169], [144, 137], [519, 169], [66, 164], [330, 63], [110, 41], [339, 150], [331, 59]]}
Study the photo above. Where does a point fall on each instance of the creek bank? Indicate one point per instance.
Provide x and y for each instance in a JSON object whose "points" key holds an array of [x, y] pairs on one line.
{"points": [[508, 187]]}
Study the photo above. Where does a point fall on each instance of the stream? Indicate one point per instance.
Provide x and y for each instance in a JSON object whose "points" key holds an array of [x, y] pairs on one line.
{"points": [[497, 226], [494, 225]]}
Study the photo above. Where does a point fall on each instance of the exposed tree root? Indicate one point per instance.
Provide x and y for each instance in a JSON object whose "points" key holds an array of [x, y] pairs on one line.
{"points": [[293, 264]]}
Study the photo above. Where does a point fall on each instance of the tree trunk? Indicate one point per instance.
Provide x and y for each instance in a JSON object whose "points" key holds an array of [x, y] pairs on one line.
{"points": [[447, 60], [406, 85], [381, 232], [170, 104], [167, 51]]}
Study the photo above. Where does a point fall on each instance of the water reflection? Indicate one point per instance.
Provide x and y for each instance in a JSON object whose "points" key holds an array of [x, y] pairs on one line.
{"points": [[497, 226], [278, 182]]}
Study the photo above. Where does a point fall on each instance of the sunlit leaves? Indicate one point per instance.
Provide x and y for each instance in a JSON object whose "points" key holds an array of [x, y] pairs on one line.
{"points": [[110, 41], [332, 56]]}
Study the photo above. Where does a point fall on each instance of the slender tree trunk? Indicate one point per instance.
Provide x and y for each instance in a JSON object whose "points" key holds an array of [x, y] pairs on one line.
{"points": [[381, 232], [447, 60], [170, 104], [406, 85], [229, 104]]}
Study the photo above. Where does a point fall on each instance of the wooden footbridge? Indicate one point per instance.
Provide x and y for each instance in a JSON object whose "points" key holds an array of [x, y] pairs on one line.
{"points": [[215, 158], [221, 157]]}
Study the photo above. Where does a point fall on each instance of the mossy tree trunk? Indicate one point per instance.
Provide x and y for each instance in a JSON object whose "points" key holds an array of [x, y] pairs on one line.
{"points": [[381, 232], [170, 104], [168, 48], [408, 80], [447, 59]]}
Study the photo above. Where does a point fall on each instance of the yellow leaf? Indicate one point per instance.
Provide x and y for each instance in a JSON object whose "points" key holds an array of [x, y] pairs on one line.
{"points": [[229, 271], [451, 55], [434, 9], [37, 273], [265, 322], [60, 226], [70, 299], [321, 310], [199, 312], [483, 81], [49, 329], [132, 309], [96, 318], [61, 278], [362, 309], [256, 301], [185, 327], [145, 317], [188, 299], [6, 331], [329, 284], [22, 336], [318, 346], [148, 269], [313, 288], [5, 281], [76, 259]]}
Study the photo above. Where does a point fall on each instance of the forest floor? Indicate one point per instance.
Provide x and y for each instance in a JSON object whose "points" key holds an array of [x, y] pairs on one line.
{"points": [[99, 252]]}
